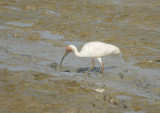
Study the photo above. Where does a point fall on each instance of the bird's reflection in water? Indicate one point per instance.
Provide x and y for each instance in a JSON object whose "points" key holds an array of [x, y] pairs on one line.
{"points": [[95, 69]]}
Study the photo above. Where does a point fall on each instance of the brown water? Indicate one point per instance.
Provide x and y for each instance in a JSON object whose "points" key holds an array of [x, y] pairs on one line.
{"points": [[33, 37]]}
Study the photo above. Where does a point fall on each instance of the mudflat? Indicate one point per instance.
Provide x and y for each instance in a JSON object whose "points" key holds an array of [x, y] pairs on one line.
{"points": [[33, 38]]}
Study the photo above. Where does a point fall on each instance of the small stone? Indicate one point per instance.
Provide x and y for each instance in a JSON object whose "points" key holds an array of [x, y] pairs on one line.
{"points": [[16, 35], [100, 90], [67, 71], [114, 101], [121, 75], [53, 65]]}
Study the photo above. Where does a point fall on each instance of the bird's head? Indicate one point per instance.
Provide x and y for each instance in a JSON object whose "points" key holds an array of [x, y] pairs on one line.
{"points": [[70, 48]]}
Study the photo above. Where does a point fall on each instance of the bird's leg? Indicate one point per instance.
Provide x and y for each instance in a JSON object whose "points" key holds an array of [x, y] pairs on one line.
{"points": [[91, 67], [100, 60], [102, 68]]}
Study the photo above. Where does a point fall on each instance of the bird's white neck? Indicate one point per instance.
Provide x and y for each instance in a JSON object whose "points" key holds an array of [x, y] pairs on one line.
{"points": [[75, 51]]}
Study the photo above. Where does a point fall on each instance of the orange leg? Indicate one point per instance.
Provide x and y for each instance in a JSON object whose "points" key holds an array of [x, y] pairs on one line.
{"points": [[102, 68], [100, 60]]}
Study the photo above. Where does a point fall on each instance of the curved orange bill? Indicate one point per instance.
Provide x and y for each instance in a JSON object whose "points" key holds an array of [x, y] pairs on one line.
{"points": [[63, 58]]}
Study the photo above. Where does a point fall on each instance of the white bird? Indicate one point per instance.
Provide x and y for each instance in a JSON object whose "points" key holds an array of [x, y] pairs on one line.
{"points": [[92, 50]]}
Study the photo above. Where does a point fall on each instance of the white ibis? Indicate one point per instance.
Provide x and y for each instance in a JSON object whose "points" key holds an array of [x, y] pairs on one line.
{"points": [[92, 50]]}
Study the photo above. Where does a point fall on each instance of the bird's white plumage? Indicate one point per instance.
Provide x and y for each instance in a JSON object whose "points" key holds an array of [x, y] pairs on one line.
{"points": [[95, 50]]}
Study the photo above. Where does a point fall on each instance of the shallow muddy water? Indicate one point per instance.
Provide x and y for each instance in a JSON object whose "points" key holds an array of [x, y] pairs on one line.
{"points": [[33, 38]]}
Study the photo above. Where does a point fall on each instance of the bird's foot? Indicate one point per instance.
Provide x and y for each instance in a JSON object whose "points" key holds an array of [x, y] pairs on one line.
{"points": [[102, 72]]}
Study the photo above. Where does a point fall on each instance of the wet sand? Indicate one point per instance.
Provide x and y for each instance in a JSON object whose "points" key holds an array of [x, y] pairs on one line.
{"points": [[33, 37]]}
